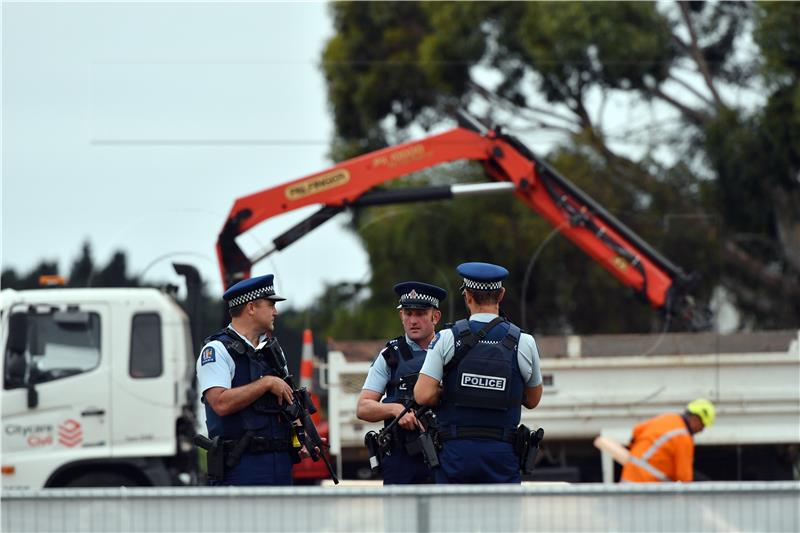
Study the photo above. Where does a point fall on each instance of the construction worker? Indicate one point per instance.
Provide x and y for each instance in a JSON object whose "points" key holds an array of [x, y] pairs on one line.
{"points": [[243, 395], [402, 356], [488, 370], [662, 448]]}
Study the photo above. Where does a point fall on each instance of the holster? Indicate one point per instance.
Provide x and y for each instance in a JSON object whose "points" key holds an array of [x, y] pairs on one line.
{"points": [[371, 442], [526, 446], [215, 455], [521, 443], [215, 460]]}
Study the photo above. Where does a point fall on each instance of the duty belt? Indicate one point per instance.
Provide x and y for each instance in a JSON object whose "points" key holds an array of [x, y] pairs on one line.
{"points": [[260, 445], [504, 435]]}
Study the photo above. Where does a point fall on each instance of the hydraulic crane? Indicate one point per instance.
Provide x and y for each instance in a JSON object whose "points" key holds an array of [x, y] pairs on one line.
{"points": [[511, 166]]}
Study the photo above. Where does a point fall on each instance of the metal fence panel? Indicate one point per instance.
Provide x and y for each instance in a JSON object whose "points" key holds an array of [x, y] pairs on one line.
{"points": [[492, 508]]}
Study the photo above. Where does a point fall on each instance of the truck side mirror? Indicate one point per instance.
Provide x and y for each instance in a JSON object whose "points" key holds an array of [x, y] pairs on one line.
{"points": [[34, 375], [15, 357], [18, 333], [15, 369], [15, 364], [33, 394]]}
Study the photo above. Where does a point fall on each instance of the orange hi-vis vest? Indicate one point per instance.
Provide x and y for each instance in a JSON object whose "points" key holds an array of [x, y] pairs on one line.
{"points": [[662, 449]]}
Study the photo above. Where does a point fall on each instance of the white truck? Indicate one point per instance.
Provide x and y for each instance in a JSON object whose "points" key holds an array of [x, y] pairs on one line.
{"points": [[605, 384], [97, 388]]}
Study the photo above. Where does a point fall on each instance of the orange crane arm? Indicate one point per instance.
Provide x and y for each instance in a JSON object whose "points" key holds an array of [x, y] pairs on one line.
{"points": [[508, 162]]}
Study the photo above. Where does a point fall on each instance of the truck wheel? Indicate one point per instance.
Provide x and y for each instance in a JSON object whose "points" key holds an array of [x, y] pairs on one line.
{"points": [[103, 479]]}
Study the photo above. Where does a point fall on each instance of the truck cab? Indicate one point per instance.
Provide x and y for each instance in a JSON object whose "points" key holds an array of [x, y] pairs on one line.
{"points": [[97, 388]]}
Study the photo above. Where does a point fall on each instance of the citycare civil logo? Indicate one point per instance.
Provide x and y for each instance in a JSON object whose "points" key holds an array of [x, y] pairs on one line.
{"points": [[70, 433]]}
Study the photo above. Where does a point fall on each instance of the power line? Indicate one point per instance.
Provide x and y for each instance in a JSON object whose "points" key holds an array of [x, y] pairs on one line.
{"points": [[208, 142]]}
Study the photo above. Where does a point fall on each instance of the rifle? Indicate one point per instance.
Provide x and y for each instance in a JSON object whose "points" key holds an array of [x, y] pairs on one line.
{"points": [[380, 444], [302, 407], [427, 442]]}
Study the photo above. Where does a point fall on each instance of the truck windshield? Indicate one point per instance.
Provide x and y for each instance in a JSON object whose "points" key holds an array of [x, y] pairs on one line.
{"points": [[57, 348]]}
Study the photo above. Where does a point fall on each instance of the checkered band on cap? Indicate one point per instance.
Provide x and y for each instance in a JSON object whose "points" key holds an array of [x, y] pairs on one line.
{"points": [[242, 299], [417, 297], [483, 285]]}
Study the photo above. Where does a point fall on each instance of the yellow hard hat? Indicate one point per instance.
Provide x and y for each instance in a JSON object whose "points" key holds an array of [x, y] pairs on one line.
{"points": [[704, 409]]}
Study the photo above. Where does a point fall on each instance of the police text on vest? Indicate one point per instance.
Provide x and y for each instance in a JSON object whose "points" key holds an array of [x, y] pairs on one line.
{"points": [[483, 382]]}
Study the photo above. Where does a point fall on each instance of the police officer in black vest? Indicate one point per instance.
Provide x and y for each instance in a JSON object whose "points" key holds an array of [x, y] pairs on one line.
{"points": [[242, 395], [402, 356], [479, 391]]}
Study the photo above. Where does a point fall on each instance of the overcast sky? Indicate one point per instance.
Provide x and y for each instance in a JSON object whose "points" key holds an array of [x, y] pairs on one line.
{"points": [[136, 126]]}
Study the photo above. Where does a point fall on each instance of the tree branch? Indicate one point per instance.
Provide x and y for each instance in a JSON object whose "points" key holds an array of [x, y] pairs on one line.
{"points": [[489, 95], [757, 270], [691, 89], [747, 296], [693, 115], [583, 114], [786, 204], [542, 125], [578, 107], [601, 109], [694, 50]]}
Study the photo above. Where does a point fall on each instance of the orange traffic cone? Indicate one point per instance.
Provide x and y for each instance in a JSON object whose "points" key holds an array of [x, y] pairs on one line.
{"points": [[307, 361], [308, 470], [307, 371]]}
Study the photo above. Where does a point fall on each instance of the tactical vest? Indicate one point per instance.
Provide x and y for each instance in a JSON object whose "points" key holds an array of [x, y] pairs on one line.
{"points": [[401, 360], [262, 416], [485, 390]]}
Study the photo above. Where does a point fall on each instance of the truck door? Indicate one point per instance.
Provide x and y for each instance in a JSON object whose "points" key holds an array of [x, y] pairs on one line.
{"points": [[56, 390], [145, 391]]}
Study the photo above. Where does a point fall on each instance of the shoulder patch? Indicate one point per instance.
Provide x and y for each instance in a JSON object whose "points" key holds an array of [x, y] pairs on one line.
{"points": [[208, 356], [434, 341]]}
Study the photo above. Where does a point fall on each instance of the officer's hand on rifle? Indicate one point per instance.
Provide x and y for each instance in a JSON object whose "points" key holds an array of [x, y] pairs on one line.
{"points": [[279, 388], [304, 451], [409, 420]]}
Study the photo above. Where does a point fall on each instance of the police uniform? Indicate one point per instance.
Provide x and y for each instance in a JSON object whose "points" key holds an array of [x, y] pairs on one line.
{"points": [[226, 361], [402, 357], [481, 400]]}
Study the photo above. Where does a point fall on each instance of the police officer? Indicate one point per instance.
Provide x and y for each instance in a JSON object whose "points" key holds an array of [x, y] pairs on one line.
{"points": [[402, 356], [242, 395], [480, 390]]}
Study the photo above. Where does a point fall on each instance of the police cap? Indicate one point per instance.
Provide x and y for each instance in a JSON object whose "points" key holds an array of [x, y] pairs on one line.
{"points": [[482, 276], [418, 295], [251, 289]]}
